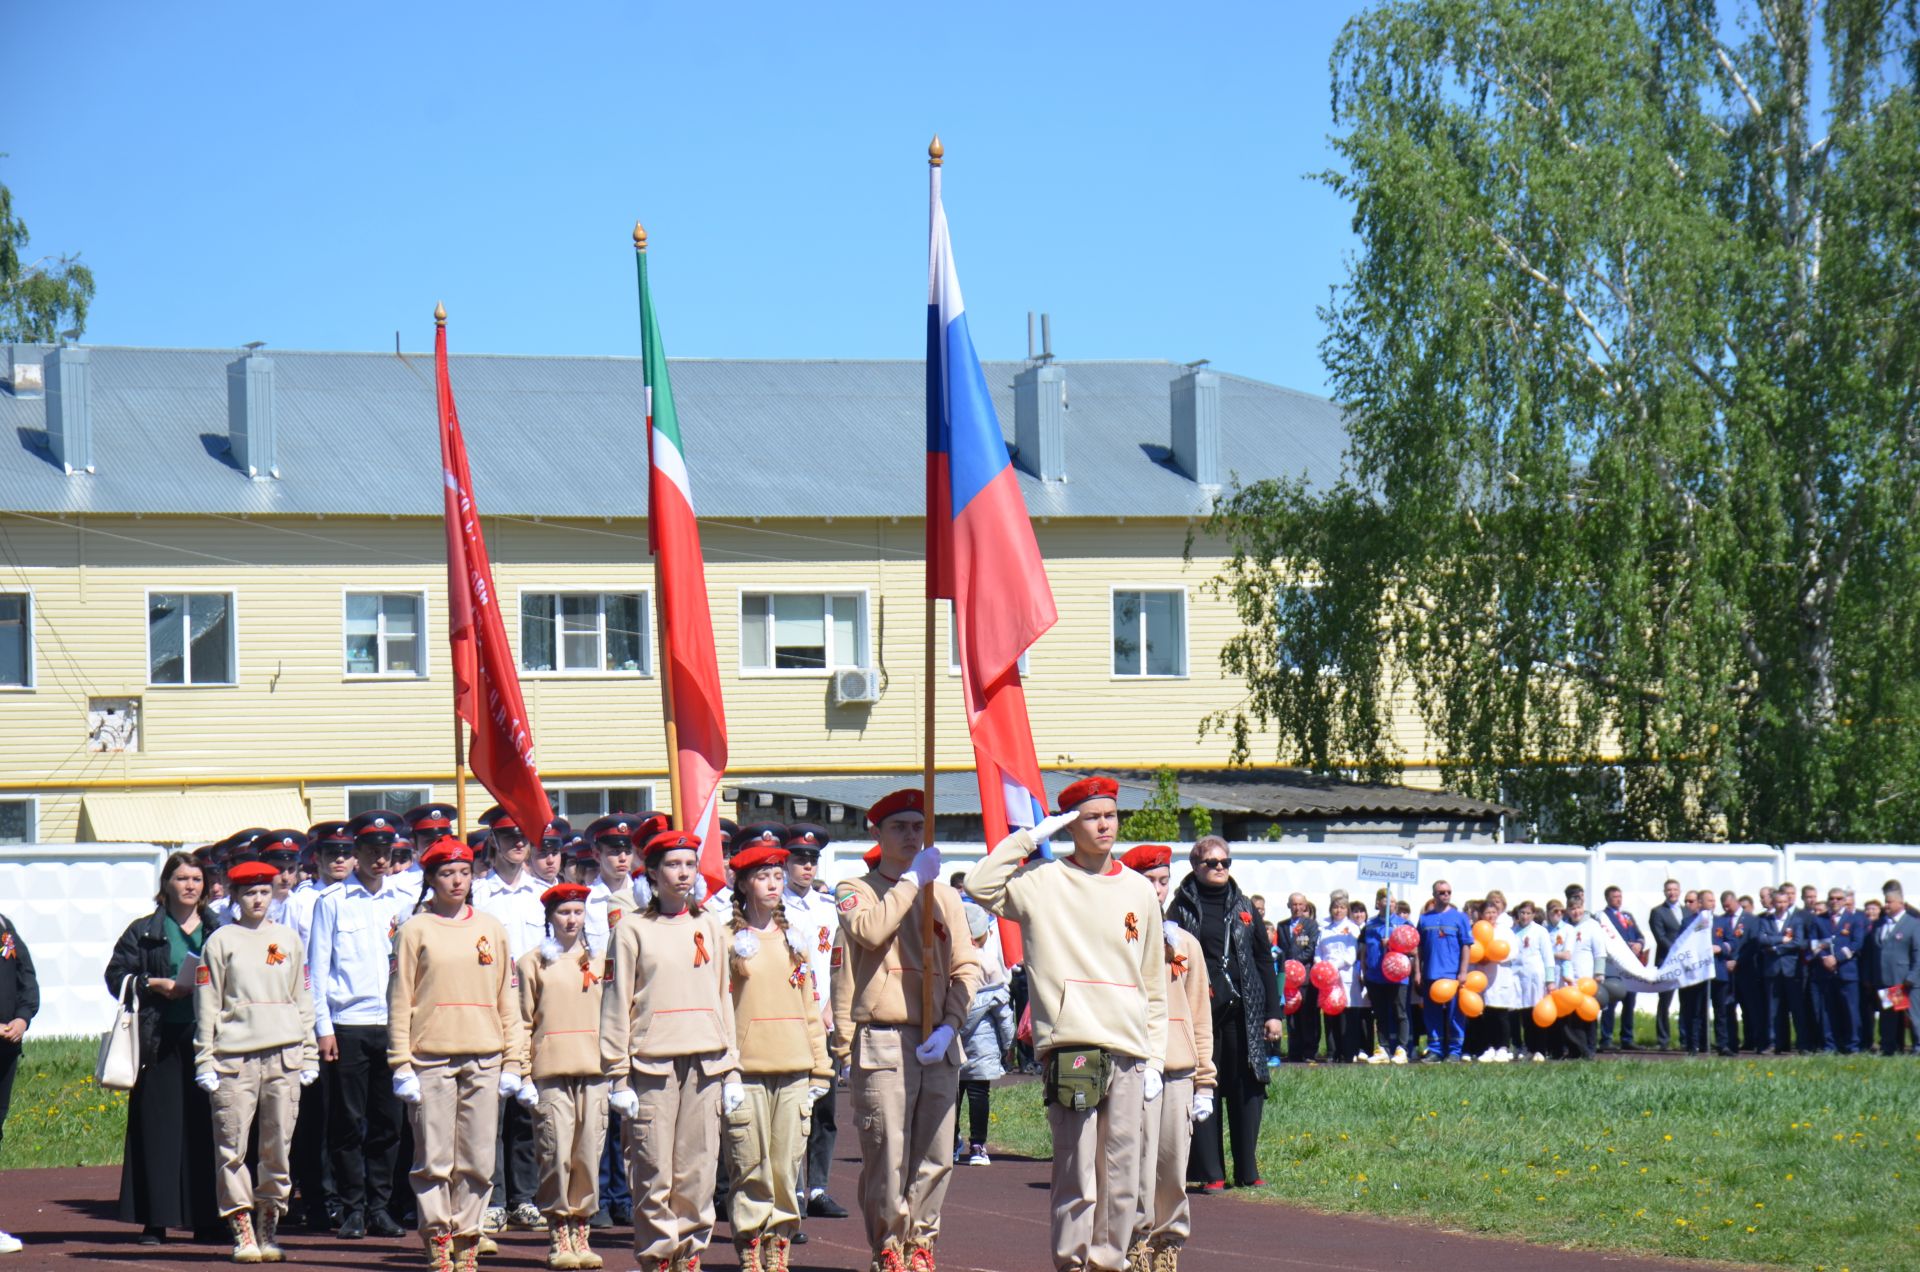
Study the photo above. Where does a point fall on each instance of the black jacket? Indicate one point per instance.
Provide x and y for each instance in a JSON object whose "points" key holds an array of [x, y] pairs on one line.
{"points": [[19, 986], [142, 952], [1246, 964]]}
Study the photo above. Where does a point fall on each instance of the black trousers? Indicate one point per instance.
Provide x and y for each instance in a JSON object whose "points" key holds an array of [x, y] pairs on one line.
{"points": [[1784, 1004], [976, 1094], [1389, 1012], [1756, 1020], [1303, 1032], [9, 1061], [1240, 1101], [1578, 1038], [1843, 1013], [516, 1172], [312, 1172], [1662, 1020], [1693, 1018], [826, 1128], [363, 1119]]}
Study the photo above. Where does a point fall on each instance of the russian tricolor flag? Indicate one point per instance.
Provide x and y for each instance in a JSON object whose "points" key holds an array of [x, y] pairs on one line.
{"points": [[981, 553]]}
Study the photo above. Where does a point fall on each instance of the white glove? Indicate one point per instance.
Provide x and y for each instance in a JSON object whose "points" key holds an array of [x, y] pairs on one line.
{"points": [[309, 1076], [625, 1103], [732, 1096], [1051, 826], [930, 1051], [1171, 930], [528, 1094], [1151, 1083], [746, 943], [509, 1083], [817, 1092], [208, 1081], [406, 1088], [1202, 1105], [926, 865]]}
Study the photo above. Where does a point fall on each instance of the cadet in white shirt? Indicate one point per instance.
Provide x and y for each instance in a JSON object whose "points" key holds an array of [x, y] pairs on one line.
{"points": [[617, 891], [330, 845], [511, 893], [812, 914]]}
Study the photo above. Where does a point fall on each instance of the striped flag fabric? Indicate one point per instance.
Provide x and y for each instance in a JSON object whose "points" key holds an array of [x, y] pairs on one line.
{"points": [[686, 623]]}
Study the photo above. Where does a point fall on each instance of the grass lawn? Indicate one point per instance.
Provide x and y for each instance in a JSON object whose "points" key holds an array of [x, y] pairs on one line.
{"points": [[60, 1116], [1808, 1162]]}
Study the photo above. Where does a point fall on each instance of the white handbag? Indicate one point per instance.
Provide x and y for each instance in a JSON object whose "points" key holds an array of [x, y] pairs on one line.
{"points": [[117, 1067]]}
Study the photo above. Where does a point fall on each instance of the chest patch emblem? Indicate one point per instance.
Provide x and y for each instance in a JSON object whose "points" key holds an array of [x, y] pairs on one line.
{"points": [[849, 903], [484, 948], [202, 975], [700, 956], [1133, 927], [275, 956], [613, 918]]}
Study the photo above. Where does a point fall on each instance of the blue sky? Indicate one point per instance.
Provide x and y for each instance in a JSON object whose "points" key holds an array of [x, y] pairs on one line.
{"points": [[317, 176]]}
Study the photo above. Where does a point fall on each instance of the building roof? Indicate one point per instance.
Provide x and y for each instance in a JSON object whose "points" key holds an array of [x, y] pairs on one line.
{"points": [[564, 437]]}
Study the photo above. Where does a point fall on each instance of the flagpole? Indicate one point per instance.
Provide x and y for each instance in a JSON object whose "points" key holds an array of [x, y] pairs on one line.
{"points": [[459, 736], [678, 811], [935, 155]]}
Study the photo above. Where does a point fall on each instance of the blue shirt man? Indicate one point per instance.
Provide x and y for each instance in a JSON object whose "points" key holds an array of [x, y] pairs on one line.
{"points": [[1445, 935], [1387, 998]]}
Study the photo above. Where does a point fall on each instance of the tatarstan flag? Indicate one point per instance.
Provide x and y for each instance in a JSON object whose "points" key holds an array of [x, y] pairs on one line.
{"points": [[699, 719]]}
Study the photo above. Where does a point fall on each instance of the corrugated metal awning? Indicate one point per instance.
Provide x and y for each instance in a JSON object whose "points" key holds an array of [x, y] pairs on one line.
{"points": [[190, 817]]}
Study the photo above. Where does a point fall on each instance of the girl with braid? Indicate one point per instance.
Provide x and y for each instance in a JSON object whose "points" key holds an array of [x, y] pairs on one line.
{"points": [[783, 1059]]}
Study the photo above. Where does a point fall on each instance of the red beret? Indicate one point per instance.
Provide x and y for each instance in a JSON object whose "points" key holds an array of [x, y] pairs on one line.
{"points": [[248, 873], [668, 840], [910, 800], [1147, 857], [758, 855], [561, 893], [444, 851], [651, 825], [1088, 788], [871, 856]]}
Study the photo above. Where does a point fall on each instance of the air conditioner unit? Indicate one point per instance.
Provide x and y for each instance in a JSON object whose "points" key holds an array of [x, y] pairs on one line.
{"points": [[855, 685]]}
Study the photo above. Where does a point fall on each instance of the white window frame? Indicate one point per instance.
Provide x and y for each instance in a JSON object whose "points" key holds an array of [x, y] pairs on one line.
{"points": [[649, 787], [348, 792], [559, 640], [346, 594], [33, 643], [233, 645], [953, 648], [862, 599], [1186, 632], [33, 815]]}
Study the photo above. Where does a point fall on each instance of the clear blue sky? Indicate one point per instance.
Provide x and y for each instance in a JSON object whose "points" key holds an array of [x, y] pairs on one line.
{"points": [[317, 176]]}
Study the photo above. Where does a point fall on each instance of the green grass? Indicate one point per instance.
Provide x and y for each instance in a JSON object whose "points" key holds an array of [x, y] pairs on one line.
{"points": [[1802, 1162], [60, 1116]]}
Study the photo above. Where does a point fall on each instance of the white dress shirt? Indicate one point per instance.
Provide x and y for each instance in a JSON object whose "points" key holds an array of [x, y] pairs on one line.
{"points": [[300, 908], [605, 908], [353, 932], [517, 906], [1586, 942], [812, 914]]}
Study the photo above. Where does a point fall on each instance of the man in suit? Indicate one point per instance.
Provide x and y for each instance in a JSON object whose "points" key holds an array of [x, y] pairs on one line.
{"points": [[1750, 980], [1869, 974], [1729, 934], [1782, 938], [1842, 961], [1665, 922], [1617, 997], [1693, 998], [1897, 949]]}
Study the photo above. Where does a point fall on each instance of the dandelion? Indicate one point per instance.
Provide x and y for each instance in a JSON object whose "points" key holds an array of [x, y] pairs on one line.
{"points": [[1667, 1138]]}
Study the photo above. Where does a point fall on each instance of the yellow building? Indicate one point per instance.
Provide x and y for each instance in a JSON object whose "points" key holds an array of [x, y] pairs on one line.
{"points": [[222, 574]]}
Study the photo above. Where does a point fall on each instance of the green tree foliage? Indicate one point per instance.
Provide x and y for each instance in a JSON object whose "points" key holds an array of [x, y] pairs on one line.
{"points": [[43, 299], [1158, 820], [1631, 351]]}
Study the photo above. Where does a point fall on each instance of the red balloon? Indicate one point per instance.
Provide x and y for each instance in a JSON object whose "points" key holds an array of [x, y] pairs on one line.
{"points": [[1405, 938], [1296, 974], [1324, 975], [1333, 1001], [1291, 1004], [1396, 967]]}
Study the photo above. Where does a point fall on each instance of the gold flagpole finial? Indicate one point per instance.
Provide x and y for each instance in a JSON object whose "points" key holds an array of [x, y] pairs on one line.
{"points": [[935, 152], [440, 315], [639, 237]]}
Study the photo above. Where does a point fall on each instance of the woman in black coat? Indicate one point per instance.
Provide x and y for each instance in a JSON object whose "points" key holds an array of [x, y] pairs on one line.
{"points": [[166, 1172], [1246, 1011]]}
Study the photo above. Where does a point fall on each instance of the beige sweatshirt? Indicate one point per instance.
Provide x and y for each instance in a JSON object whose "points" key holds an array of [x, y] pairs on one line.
{"points": [[1096, 959], [251, 994], [840, 1046], [1189, 1011], [669, 996], [452, 992], [560, 1001], [880, 919], [778, 1014]]}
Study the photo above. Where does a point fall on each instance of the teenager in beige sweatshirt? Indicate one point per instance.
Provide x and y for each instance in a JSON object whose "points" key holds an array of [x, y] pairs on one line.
{"points": [[560, 1000], [783, 1061], [456, 1045], [666, 1041], [253, 1051]]}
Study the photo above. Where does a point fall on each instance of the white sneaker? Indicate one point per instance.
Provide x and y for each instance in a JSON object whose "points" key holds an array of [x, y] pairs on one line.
{"points": [[1502, 1055], [494, 1219], [1399, 1055], [9, 1244], [1539, 1057], [979, 1156]]}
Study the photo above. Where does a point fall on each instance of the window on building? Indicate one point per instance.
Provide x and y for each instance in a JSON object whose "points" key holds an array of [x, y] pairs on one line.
{"points": [[384, 633], [581, 804], [19, 821], [16, 640], [190, 638], [953, 645], [802, 631], [395, 799], [1150, 633], [585, 632]]}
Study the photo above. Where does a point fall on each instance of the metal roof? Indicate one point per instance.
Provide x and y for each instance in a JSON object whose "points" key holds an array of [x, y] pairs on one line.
{"points": [[563, 437], [954, 794]]}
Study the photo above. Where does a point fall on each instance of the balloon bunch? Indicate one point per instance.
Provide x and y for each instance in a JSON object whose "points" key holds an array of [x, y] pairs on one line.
{"points": [[1294, 976], [1487, 946], [1333, 995], [1582, 999], [1466, 990]]}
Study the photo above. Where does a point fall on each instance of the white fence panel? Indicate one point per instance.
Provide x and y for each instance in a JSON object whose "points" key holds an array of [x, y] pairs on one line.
{"points": [[1641, 871], [1862, 867], [71, 902]]}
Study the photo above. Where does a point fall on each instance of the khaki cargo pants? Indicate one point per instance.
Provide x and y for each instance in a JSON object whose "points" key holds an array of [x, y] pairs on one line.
{"points": [[673, 1154], [260, 1087], [569, 1132], [904, 1111], [455, 1127], [1165, 1218], [766, 1139], [1097, 1171]]}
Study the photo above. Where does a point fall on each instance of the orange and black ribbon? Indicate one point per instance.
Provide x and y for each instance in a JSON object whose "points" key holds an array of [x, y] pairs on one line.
{"points": [[1133, 927], [587, 977]]}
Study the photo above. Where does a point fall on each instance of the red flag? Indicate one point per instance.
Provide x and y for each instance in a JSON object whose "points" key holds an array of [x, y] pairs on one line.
{"points": [[486, 688]]}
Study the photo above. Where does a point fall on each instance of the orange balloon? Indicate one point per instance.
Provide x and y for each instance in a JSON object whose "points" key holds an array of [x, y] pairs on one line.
{"points": [[1589, 1008], [1442, 991], [1588, 986], [1475, 981], [1545, 1013], [1498, 950], [1476, 953], [1566, 998], [1483, 932], [1471, 1004]]}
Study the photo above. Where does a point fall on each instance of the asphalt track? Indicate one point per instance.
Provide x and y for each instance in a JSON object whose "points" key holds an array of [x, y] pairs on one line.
{"points": [[996, 1221]]}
